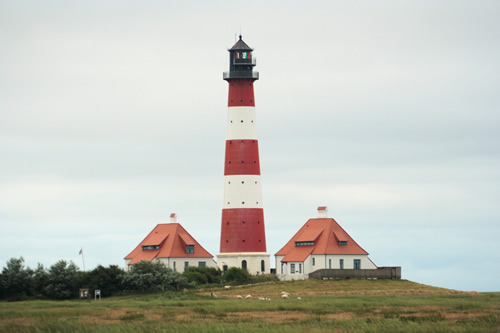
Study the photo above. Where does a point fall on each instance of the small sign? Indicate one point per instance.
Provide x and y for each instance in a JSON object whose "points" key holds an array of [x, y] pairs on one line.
{"points": [[97, 293], [84, 293]]}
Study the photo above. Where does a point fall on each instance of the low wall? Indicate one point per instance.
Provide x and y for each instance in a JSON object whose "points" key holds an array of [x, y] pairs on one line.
{"points": [[393, 273]]}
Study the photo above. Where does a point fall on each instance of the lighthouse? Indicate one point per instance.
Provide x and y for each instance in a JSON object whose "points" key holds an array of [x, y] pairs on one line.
{"points": [[243, 236]]}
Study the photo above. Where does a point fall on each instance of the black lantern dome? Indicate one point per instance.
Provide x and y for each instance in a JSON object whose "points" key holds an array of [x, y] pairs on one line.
{"points": [[241, 62]]}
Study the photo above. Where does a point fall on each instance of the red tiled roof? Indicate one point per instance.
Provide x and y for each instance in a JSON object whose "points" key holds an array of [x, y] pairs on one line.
{"points": [[329, 234], [309, 235], [172, 239]]}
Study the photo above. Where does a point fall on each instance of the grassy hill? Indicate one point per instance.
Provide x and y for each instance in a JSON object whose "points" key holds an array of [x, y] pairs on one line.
{"points": [[324, 306]]}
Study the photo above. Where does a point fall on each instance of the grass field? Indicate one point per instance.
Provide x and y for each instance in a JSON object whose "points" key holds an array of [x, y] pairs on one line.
{"points": [[324, 306]]}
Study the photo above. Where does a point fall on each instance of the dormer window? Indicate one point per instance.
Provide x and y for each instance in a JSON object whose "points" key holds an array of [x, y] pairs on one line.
{"points": [[189, 249], [342, 243], [304, 243], [150, 247]]}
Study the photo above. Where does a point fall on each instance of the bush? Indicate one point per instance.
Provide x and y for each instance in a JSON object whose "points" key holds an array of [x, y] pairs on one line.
{"points": [[236, 275], [203, 275], [195, 277], [106, 279], [39, 281], [153, 276], [15, 280], [63, 281]]}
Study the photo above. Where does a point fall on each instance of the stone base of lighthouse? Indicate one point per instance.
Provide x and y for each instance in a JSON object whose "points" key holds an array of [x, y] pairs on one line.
{"points": [[255, 262]]}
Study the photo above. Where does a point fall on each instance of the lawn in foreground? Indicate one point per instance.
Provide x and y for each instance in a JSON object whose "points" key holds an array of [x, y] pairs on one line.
{"points": [[396, 310]]}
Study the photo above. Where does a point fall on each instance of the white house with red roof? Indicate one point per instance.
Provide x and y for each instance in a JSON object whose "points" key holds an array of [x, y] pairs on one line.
{"points": [[172, 245], [320, 244]]}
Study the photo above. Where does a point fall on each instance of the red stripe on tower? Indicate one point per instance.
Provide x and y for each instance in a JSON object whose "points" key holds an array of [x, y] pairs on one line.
{"points": [[243, 238]]}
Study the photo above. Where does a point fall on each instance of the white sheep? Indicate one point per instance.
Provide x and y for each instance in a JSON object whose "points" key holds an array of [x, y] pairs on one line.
{"points": [[262, 299], [227, 287], [285, 296], [239, 297], [248, 296]]}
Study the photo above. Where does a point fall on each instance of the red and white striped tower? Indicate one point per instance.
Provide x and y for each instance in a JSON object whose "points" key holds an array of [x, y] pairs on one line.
{"points": [[243, 236]]}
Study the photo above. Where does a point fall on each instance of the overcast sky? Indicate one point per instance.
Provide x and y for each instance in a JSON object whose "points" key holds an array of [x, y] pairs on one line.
{"points": [[113, 115]]}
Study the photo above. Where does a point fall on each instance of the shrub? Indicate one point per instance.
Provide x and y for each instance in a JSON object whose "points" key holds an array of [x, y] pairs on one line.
{"points": [[153, 276], [203, 275], [15, 280], [62, 281], [236, 275], [106, 279]]}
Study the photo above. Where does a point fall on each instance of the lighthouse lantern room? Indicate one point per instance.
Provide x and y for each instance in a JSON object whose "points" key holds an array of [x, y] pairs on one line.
{"points": [[243, 239]]}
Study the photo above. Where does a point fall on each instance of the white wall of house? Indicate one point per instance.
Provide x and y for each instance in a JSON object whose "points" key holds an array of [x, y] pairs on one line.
{"points": [[253, 260], [301, 270], [179, 264]]}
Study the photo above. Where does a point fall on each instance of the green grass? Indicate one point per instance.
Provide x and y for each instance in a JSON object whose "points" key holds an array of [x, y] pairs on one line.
{"points": [[325, 306]]}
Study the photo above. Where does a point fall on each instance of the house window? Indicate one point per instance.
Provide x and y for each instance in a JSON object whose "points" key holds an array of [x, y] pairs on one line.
{"points": [[330, 263], [186, 264], [292, 268], [342, 243], [224, 268], [189, 249], [175, 270], [300, 268], [281, 268], [314, 261], [307, 243], [357, 263], [341, 263], [202, 263], [150, 247]]}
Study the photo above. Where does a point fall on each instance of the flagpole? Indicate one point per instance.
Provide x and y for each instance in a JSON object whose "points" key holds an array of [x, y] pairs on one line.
{"points": [[83, 260]]}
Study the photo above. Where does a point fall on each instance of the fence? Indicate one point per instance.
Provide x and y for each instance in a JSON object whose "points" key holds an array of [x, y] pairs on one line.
{"points": [[393, 273]]}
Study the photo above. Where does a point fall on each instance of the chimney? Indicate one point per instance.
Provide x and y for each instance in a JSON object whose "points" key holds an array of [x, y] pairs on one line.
{"points": [[322, 212], [173, 218]]}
